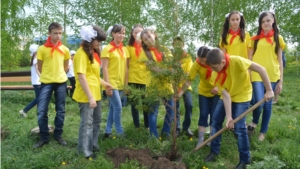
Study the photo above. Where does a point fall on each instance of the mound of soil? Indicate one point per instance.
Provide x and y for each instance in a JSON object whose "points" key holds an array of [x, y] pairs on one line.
{"points": [[143, 156]]}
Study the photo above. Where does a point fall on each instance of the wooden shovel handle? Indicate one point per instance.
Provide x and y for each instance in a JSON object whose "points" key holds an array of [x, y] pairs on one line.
{"points": [[225, 128]]}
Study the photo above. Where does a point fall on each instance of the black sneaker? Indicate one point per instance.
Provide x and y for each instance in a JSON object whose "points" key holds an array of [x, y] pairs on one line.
{"points": [[250, 130], [189, 133], [210, 157], [61, 141], [107, 135], [91, 157], [40, 144], [241, 165]]}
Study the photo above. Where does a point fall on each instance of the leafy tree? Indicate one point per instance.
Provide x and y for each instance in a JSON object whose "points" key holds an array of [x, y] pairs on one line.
{"points": [[15, 28]]}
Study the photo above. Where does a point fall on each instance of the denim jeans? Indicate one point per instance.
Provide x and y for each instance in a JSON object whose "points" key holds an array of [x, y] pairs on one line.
{"points": [[258, 94], [115, 112], [89, 129], [46, 91], [134, 111], [240, 129], [207, 106], [188, 105], [33, 102], [152, 117]]}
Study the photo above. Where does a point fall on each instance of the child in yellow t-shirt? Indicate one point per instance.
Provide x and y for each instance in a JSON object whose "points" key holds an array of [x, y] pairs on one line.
{"points": [[113, 59], [186, 64], [152, 56], [52, 60], [87, 91], [234, 80], [234, 38], [136, 73], [266, 49], [208, 92]]}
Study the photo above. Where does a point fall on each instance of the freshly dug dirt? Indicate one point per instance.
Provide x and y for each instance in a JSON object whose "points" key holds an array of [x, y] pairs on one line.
{"points": [[143, 156]]}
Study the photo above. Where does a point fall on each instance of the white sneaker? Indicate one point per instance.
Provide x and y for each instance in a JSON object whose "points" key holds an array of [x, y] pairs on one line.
{"points": [[23, 113]]}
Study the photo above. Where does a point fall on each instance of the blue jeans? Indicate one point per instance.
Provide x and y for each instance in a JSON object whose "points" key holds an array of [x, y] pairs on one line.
{"points": [[239, 129], [207, 107], [46, 91], [152, 117], [115, 112], [258, 94], [33, 102], [134, 103], [89, 128], [188, 105]]}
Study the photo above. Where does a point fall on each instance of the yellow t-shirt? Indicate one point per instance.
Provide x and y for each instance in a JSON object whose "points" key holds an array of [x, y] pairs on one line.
{"points": [[116, 66], [137, 69], [238, 82], [186, 64], [237, 48], [83, 65], [53, 70], [151, 82], [265, 56], [205, 85]]}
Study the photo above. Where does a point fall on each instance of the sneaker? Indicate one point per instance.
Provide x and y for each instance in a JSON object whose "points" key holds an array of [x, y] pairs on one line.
{"points": [[40, 144], [23, 113], [250, 130], [61, 141], [106, 135], [189, 133], [91, 157], [210, 157], [241, 165]]}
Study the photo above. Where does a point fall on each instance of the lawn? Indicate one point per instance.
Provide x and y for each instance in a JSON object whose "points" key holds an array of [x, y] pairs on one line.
{"points": [[280, 148]]}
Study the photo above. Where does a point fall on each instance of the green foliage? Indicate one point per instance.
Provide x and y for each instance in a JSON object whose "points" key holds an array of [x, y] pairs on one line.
{"points": [[282, 138], [195, 20], [269, 162]]}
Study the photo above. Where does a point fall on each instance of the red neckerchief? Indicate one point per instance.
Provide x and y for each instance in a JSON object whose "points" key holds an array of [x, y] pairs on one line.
{"points": [[97, 58], [120, 48], [49, 44], [267, 36], [209, 70], [234, 34], [223, 71], [158, 54], [138, 49]]}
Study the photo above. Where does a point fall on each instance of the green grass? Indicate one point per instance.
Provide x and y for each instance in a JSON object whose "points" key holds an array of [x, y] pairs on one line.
{"points": [[281, 146]]}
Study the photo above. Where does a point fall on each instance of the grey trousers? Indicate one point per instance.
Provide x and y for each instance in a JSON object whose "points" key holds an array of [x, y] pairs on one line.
{"points": [[89, 128]]}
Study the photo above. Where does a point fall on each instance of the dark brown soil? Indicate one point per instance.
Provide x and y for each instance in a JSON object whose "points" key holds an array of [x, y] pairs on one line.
{"points": [[143, 156]]}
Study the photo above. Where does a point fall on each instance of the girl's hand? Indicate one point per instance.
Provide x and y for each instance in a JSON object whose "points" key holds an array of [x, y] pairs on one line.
{"points": [[229, 125], [92, 102], [269, 95], [214, 90], [278, 88], [109, 92], [108, 86]]}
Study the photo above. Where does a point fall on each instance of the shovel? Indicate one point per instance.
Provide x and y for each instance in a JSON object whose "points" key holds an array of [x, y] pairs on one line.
{"points": [[233, 122]]}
